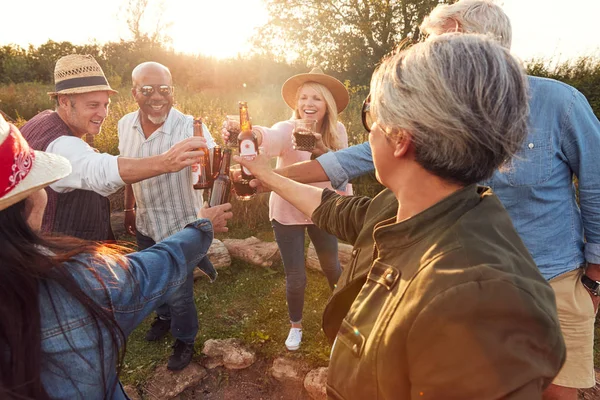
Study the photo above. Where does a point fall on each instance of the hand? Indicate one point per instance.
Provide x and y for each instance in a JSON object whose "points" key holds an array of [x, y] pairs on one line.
{"points": [[218, 216], [183, 154], [235, 174], [259, 167], [229, 125], [593, 272], [130, 222], [320, 147]]}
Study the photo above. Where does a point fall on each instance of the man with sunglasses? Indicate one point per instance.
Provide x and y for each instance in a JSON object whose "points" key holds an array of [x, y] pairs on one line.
{"points": [[536, 189], [78, 204], [161, 206]]}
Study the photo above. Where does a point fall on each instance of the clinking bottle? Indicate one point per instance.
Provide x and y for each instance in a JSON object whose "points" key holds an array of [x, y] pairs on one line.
{"points": [[248, 144], [222, 184], [201, 175]]}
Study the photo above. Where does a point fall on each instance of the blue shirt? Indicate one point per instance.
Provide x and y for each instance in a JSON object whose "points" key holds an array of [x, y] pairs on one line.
{"points": [[71, 367], [537, 186]]}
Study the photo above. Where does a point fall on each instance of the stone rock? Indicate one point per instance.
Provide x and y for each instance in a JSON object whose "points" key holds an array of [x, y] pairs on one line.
{"points": [[132, 392], [218, 255], [228, 353], [167, 384], [315, 383], [285, 369], [253, 251], [344, 254]]}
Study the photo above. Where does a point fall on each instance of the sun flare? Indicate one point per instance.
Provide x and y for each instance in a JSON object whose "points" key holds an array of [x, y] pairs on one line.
{"points": [[218, 29]]}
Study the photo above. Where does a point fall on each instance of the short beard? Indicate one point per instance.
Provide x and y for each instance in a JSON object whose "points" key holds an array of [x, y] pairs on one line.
{"points": [[157, 120]]}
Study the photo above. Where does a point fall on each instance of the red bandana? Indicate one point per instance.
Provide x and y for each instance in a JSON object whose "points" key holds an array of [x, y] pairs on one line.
{"points": [[16, 160]]}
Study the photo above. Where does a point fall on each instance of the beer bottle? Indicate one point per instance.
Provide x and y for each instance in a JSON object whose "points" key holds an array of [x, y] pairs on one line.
{"points": [[201, 176], [222, 183], [216, 164], [248, 146]]}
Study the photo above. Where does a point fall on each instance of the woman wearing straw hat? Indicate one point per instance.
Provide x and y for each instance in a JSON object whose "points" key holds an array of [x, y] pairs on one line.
{"points": [[320, 97], [67, 305]]}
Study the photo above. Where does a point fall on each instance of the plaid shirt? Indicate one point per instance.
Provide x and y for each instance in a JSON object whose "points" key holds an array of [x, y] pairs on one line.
{"points": [[168, 202]]}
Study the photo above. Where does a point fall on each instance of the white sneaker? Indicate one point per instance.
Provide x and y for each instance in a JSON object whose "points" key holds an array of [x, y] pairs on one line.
{"points": [[294, 338]]}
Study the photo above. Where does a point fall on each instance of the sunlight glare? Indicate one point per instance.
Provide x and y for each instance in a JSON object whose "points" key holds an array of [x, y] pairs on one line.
{"points": [[218, 29]]}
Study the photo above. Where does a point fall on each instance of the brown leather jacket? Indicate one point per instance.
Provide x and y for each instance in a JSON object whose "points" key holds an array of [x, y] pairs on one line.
{"points": [[446, 305]]}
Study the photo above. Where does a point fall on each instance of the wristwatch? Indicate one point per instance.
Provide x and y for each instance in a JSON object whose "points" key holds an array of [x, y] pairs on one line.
{"points": [[591, 285]]}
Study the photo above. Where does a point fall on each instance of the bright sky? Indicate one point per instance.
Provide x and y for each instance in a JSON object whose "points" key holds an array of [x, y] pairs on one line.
{"points": [[555, 29]]}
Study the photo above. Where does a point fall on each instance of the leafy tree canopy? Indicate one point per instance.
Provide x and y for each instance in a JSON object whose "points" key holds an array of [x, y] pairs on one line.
{"points": [[347, 37]]}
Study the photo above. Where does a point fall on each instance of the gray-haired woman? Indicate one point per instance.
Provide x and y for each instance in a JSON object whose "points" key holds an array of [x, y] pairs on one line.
{"points": [[441, 299]]}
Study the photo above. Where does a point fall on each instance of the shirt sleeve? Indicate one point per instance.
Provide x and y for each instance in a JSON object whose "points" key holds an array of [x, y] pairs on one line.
{"points": [[343, 137], [345, 164], [147, 278], [581, 146], [341, 216], [484, 340], [210, 142], [276, 140], [98, 172]]}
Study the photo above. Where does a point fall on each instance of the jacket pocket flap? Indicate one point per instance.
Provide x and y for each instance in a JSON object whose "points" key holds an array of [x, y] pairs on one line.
{"points": [[384, 274], [351, 337]]}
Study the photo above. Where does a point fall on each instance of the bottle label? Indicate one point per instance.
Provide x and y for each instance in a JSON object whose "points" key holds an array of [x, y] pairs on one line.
{"points": [[248, 152], [195, 173]]}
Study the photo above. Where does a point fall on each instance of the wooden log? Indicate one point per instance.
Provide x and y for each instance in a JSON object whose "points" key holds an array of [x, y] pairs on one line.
{"points": [[344, 254], [254, 251], [218, 255]]}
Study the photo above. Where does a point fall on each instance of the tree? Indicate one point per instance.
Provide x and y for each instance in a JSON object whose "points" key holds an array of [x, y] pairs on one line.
{"points": [[347, 37], [139, 15]]}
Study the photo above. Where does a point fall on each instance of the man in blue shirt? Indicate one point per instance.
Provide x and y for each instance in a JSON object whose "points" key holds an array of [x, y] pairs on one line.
{"points": [[536, 187]]}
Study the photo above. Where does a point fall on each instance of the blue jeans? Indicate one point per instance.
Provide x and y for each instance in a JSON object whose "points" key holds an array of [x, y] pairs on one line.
{"points": [[290, 240], [180, 307]]}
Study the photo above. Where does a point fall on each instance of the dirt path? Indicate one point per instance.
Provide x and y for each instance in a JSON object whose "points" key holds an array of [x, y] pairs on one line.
{"points": [[254, 382]]}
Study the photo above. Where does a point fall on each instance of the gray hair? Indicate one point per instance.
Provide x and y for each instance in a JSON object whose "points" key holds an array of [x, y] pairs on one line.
{"points": [[461, 97], [470, 16]]}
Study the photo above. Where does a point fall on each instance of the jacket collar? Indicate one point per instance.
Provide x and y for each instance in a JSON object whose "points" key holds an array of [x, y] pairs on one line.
{"points": [[391, 236]]}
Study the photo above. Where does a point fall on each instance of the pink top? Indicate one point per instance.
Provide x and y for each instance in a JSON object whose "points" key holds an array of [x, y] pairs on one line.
{"points": [[277, 141]]}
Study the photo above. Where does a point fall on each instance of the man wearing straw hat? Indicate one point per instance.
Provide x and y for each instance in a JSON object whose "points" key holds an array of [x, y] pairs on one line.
{"points": [[77, 204]]}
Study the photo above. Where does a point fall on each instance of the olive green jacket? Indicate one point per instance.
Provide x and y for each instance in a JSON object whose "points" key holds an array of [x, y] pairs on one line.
{"points": [[445, 305]]}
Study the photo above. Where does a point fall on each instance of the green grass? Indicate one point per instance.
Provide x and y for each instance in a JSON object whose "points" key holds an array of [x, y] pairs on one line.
{"points": [[245, 302]]}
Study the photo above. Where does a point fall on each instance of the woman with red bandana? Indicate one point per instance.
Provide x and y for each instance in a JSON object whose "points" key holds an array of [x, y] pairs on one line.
{"points": [[67, 305]]}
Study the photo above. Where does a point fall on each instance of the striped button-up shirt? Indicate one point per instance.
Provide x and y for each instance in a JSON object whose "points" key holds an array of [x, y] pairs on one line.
{"points": [[168, 202]]}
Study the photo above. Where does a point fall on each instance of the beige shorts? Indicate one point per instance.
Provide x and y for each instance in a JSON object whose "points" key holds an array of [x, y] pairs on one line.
{"points": [[576, 315]]}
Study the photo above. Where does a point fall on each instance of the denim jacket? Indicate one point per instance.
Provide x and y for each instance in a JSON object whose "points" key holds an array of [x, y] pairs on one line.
{"points": [[71, 367], [537, 187]]}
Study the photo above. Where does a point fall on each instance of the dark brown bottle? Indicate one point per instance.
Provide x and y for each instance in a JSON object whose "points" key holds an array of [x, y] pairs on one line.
{"points": [[201, 175], [222, 184], [216, 164], [248, 145]]}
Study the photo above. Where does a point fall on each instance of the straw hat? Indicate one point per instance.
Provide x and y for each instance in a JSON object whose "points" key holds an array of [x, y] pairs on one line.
{"points": [[337, 88], [23, 170], [77, 73]]}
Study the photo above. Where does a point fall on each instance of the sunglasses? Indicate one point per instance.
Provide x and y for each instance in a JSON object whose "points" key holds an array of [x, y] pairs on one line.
{"points": [[163, 90], [367, 119]]}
